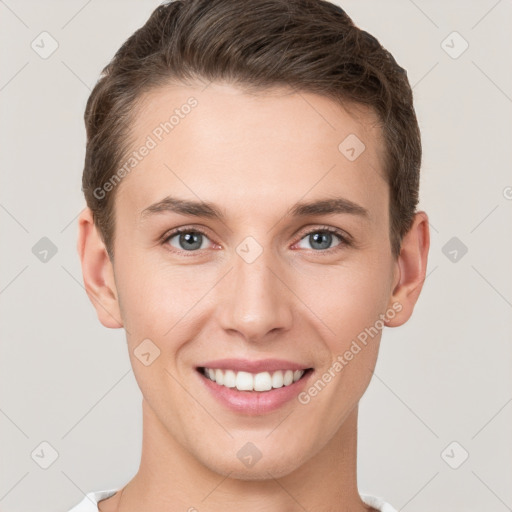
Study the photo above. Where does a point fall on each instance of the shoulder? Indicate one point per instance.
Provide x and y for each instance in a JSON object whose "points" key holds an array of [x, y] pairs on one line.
{"points": [[377, 503], [90, 501]]}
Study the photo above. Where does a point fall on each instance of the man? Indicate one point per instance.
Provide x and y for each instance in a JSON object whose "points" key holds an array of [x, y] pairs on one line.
{"points": [[251, 178]]}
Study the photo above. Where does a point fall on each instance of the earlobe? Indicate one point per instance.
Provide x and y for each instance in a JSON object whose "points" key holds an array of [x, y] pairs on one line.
{"points": [[411, 271], [97, 272]]}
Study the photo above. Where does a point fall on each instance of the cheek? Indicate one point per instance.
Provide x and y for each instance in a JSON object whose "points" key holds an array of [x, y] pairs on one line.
{"points": [[350, 307], [154, 294], [349, 299]]}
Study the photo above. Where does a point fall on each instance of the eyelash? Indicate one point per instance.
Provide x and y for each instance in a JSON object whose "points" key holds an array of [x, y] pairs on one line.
{"points": [[345, 240]]}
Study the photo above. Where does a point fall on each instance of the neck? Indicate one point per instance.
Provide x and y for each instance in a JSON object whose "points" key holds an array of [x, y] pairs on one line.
{"points": [[171, 479]]}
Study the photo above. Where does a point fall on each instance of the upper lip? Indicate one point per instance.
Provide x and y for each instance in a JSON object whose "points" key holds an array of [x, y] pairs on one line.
{"points": [[251, 366]]}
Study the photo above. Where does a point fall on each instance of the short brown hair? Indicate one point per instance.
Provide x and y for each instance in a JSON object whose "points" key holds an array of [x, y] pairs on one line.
{"points": [[308, 45]]}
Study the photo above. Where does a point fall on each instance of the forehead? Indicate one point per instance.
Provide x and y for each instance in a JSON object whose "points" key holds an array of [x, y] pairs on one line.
{"points": [[223, 144]]}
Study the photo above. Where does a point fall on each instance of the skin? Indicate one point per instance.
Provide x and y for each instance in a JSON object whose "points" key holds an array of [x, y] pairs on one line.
{"points": [[255, 156]]}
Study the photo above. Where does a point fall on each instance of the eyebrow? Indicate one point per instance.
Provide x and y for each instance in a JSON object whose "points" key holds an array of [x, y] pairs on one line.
{"points": [[209, 210]]}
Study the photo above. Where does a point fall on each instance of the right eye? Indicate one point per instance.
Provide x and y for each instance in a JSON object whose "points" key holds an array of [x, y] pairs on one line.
{"points": [[186, 240]]}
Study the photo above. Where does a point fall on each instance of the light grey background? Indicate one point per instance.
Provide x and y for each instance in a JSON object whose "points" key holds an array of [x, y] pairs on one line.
{"points": [[444, 377]]}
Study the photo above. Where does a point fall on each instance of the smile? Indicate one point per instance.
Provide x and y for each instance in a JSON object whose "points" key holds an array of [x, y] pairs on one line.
{"points": [[246, 381], [254, 387]]}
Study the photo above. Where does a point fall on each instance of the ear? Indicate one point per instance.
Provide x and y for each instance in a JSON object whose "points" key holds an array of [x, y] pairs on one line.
{"points": [[410, 270], [97, 272]]}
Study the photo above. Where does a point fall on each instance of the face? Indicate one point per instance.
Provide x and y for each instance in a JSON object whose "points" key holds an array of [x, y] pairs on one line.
{"points": [[259, 279]]}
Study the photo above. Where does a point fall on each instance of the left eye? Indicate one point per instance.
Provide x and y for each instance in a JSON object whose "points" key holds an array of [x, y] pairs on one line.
{"points": [[321, 239]]}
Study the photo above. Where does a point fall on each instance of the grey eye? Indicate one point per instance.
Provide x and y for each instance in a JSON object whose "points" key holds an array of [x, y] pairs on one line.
{"points": [[320, 240], [187, 240]]}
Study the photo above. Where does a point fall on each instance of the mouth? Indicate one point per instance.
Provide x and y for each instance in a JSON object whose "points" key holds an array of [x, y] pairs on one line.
{"points": [[250, 393], [260, 382]]}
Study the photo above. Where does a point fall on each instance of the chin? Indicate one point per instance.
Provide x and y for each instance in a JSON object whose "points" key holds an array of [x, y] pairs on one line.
{"points": [[277, 465]]}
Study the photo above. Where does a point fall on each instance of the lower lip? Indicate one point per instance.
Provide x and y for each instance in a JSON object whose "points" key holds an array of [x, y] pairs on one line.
{"points": [[255, 402]]}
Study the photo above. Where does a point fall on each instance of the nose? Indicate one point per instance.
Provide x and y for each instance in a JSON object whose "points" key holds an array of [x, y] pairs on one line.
{"points": [[255, 300]]}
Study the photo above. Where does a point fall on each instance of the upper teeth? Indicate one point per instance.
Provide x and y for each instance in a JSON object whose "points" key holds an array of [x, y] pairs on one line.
{"points": [[245, 381]]}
